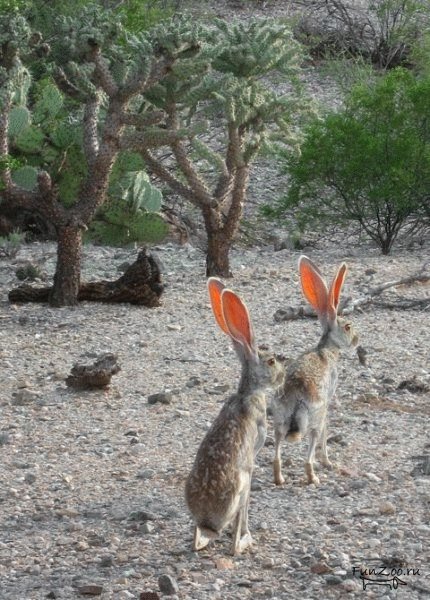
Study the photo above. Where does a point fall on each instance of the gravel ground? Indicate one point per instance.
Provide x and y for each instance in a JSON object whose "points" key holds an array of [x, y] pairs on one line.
{"points": [[92, 483]]}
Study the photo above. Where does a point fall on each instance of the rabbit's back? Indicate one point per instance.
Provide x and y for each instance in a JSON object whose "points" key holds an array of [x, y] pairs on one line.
{"points": [[308, 385], [224, 462]]}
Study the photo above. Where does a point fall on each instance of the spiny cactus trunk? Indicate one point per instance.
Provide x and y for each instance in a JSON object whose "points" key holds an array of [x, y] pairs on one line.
{"points": [[217, 256], [67, 274], [219, 242]]}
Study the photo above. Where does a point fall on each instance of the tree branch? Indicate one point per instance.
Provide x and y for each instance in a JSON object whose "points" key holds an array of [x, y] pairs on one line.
{"points": [[164, 174], [142, 120], [348, 305], [102, 74], [91, 139]]}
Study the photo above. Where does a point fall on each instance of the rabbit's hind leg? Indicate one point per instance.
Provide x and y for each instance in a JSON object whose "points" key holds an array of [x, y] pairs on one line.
{"points": [[314, 435], [202, 537], [325, 461], [277, 462]]}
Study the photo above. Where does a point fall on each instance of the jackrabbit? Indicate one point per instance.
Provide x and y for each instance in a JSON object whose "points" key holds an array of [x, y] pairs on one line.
{"points": [[218, 487], [301, 404]]}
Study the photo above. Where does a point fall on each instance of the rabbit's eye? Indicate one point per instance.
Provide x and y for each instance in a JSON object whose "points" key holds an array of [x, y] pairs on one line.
{"points": [[271, 362], [347, 327]]}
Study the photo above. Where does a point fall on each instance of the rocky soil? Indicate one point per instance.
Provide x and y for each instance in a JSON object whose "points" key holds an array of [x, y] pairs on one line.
{"points": [[91, 482], [91, 491]]}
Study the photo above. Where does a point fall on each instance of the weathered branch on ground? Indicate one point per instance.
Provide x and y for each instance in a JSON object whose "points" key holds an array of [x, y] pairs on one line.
{"points": [[140, 284], [348, 305], [96, 375]]}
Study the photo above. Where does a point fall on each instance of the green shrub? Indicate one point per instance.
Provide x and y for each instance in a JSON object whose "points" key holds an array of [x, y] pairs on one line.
{"points": [[368, 163]]}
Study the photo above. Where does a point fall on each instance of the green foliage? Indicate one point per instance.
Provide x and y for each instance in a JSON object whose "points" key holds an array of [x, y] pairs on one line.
{"points": [[139, 15], [25, 177], [29, 272], [384, 32], [368, 163], [13, 6], [10, 244], [130, 215], [121, 226], [19, 119]]}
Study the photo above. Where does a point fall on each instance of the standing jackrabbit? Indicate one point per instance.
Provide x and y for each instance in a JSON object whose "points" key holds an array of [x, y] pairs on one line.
{"points": [[301, 404], [217, 489]]}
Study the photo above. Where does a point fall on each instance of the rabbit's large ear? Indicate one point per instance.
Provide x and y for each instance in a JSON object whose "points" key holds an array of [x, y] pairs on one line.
{"points": [[215, 288], [238, 323], [314, 287], [336, 286]]}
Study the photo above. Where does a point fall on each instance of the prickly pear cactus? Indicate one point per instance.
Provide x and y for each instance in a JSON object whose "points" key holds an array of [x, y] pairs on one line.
{"points": [[30, 140], [19, 120], [48, 105], [25, 177]]}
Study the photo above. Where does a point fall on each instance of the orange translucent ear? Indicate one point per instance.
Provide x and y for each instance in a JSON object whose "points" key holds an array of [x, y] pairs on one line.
{"points": [[237, 319], [336, 286], [215, 288], [313, 285]]}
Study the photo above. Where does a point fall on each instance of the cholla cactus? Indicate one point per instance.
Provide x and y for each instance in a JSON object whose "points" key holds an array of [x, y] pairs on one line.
{"points": [[228, 85]]}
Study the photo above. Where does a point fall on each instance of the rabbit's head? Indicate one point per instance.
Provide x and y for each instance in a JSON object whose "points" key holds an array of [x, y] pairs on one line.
{"points": [[325, 301], [233, 318]]}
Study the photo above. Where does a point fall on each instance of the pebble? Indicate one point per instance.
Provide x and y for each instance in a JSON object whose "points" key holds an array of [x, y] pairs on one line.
{"points": [[146, 474], [25, 396], [168, 585], [91, 589], [147, 528], [387, 508], [4, 438], [160, 397]]}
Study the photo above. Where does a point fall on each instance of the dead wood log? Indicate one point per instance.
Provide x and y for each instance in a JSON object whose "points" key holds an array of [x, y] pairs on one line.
{"points": [[140, 284], [96, 375], [348, 305]]}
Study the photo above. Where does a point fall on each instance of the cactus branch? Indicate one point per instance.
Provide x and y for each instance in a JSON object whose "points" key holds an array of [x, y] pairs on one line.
{"points": [[66, 86], [139, 84], [102, 74], [165, 175], [142, 120], [91, 141]]}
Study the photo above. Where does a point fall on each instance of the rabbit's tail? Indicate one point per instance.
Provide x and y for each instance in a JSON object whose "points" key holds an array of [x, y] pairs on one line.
{"points": [[298, 424]]}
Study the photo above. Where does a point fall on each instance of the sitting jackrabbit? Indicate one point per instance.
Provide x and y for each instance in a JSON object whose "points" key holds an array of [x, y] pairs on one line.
{"points": [[301, 404], [218, 487]]}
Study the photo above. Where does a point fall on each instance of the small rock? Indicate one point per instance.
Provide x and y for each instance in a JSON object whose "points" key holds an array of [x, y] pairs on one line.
{"points": [[193, 382], [350, 585], [320, 568], [387, 508], [146, 474], [161, 397], [25, 396], [4, 438], [358, 484], [22, 383], [224, 563], [168, 585], [106, 561], [217, 390], [149, 596], [373, 477], [91, 589], [295, 563], [269, 563], [82, 546], [142, 515], [147, 528], [333, 579], [30, 478], [51, 596]]}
